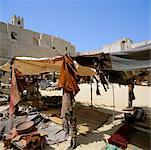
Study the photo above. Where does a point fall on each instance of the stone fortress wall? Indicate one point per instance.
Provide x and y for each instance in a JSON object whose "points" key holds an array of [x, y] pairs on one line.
{"points": [[17, 41]]}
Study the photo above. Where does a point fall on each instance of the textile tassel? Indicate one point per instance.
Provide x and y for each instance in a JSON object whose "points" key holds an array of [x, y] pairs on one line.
{"points": [[97, 86], [97, 90]]}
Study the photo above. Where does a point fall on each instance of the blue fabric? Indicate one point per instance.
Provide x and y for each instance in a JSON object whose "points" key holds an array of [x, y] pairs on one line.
{"points": [[111, 147]]}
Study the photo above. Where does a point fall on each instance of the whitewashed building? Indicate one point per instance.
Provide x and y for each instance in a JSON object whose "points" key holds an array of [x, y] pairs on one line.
{"points": [[117, 46]]}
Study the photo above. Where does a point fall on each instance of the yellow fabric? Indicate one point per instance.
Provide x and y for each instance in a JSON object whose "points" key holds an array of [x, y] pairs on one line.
{"points": [[85, 71], [35, 66]]}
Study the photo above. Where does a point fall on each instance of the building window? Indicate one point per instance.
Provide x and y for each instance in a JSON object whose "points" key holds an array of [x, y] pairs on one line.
{"points": [[14, 35], [123, 43], [18, 22], [35, 41]]}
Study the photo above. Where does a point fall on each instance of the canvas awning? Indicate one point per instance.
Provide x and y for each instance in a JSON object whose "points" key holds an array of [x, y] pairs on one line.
{"points": [[126, 60], [132, 59], [35, 66]]}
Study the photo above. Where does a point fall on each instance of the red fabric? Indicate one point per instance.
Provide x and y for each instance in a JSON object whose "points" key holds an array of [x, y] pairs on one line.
{"points": [[14, 93], [68, 76], [121, 137], [13, 133], [118, 140]]}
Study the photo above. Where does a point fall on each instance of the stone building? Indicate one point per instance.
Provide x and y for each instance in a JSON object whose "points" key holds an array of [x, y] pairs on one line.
{"points": [[17, 41], [117, 46], [122, 44]]}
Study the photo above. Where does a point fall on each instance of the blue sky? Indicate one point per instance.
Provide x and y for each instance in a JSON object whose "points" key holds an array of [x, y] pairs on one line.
{"points": [[87, 24]]}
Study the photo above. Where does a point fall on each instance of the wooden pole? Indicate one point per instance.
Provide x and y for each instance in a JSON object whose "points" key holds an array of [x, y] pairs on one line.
{"points": [[11, 117], [113, 102], [91, 91]]}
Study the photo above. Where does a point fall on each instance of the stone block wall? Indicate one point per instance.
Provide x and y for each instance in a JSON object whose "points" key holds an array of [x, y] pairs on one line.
{"points": [[16, 41]]}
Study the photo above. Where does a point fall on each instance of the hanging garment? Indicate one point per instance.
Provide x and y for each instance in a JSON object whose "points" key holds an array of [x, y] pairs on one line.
{"points": [[131, 92], [66, 103], [68, 76], [14, 93]]}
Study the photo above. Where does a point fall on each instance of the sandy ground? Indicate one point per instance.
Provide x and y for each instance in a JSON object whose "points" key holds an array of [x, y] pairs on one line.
{"points": [[105, 100], [94, 140]]}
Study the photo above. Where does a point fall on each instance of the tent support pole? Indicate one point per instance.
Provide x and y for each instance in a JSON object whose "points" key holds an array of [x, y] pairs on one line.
{"points": [[91, 91], [113, 102], [11, 117]]}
